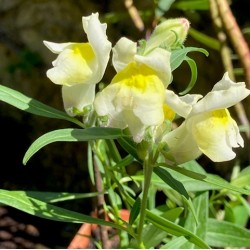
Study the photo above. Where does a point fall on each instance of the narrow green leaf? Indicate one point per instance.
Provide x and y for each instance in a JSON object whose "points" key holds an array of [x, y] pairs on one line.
{"points": [[178, 56], [213, 181], [53, 197], [129, 146], [152, 236], [175, 229], [209, 41], [226, 234], [194, 73], [71, 135], [135, 211], [124, 162], [191, 185], [244, 203], [175, 243], [33, 106], [193, 166], [192, 5], [90, 165], [197, 224], [216, 180], [171, 181], [184, 171], [170, 227], [241, 215], [242, 180], [44, 210], [189, 204]]}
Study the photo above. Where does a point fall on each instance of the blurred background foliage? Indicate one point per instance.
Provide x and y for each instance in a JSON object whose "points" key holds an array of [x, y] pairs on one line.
{"points": [[24, 24]]}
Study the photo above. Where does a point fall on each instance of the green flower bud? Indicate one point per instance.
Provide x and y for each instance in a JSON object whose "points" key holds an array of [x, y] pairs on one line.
{"points": [[168, 34]]}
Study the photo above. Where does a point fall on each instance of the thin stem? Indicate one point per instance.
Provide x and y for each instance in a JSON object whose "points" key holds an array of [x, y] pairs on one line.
{"points": [[134, 14], [100, 211], [236, 36], [148, 169], [226, 54]]}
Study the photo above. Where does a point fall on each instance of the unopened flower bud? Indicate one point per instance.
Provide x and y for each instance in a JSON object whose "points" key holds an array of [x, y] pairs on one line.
{"points": [[168, 34]]}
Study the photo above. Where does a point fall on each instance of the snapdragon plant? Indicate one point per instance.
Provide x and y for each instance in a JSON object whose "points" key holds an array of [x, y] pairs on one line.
{"points": [[136, 113]]}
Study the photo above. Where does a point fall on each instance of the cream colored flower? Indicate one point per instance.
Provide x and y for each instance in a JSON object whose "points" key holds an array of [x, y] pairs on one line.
{"points": [[79, 66], [134, 99], [124, 52], [208, 127]]}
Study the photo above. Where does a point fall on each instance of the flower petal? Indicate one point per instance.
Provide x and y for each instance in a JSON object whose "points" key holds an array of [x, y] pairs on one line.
{"points": [[181, 105], [134, 99], [123, 53], [182, 145], [73, 65], [77, 96], [216, 133], [159, 60], [56, 47], [225, 94], [96, 33]]}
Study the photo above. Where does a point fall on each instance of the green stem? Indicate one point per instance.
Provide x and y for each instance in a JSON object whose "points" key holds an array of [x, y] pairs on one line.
{"points": [[148, 169]]}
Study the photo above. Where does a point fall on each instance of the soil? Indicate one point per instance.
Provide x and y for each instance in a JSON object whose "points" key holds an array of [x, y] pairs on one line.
{"points": [[21, 230]]}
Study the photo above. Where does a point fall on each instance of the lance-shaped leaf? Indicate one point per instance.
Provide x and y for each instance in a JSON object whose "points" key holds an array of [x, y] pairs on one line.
{"points": [[71, 135], [222, 234], [44, 210], [33, 106]]}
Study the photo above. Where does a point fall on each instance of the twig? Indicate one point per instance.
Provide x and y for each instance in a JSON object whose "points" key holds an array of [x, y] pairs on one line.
{"points": [[226, 57], [236, 36], [133, 12], [100, 211]]}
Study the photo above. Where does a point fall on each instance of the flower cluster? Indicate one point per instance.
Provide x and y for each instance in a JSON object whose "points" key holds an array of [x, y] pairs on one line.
{"points": [[137, 98]]}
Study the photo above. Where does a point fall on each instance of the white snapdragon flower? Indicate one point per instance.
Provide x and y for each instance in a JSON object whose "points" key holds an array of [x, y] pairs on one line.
{"points": [[208, 127], [136, 96], [79, 66], [124, 52], [134, 99]]}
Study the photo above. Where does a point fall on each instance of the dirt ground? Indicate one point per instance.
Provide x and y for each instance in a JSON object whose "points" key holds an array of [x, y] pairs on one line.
{"points": [[20, 230]]}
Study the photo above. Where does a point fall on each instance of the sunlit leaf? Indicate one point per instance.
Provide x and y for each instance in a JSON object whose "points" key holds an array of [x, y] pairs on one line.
{"points": [[44, 210], [194, 73], [32, 106], [216, 180], [178, 56], [53, 197], [71, 135], [226, 234], [175, 243], [152, 236], [175, 229], [242, 180], [199, 227]]}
